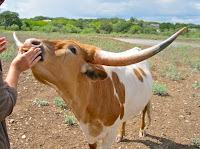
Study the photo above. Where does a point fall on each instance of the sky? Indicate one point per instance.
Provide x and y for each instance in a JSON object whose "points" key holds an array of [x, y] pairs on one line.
{"points": [[174, 11]]}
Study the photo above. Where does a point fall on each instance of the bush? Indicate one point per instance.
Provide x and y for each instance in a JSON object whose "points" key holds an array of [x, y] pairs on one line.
{"points": [[36, 28], [14, 27], [70, 29], [160, 89], [135, 29], [88, 31], [49, 29]]}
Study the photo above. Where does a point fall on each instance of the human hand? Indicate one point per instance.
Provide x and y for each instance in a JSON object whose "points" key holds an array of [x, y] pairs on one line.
{"points": [[2, 45], [26, 60]]}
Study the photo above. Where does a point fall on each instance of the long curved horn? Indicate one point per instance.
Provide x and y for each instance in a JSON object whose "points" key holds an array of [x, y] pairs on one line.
{"points": [[131, 56], [17, 42]]}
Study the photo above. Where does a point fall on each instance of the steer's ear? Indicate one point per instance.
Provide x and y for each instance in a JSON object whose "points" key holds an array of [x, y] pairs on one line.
{"points": [[94, 72]]}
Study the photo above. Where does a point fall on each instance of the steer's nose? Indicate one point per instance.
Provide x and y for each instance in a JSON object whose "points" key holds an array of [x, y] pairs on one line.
{"points": [[32, 42]]}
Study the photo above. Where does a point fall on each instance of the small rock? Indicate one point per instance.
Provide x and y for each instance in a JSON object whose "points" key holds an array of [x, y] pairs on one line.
{"points": [[23, 136], [11, 121]]}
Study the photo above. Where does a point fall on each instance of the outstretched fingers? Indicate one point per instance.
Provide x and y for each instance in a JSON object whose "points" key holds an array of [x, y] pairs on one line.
{"points": [[2, 45], [32, 55]]}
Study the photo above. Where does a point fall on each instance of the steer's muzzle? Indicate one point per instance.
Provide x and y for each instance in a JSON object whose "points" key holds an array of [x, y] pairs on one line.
{"points": [[32, 42]]}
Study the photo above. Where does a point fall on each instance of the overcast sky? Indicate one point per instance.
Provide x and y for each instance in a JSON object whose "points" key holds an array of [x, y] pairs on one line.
{"points": [[183, 11]]}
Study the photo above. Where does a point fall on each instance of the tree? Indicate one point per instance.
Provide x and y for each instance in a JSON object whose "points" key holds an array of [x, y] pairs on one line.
{"points": [[106, 26], [8, 18], [122, 27], [135, 29], [133, 19]]}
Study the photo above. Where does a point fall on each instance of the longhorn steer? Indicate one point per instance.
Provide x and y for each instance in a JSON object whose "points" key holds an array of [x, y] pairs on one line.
{"points": [[103, 89]]}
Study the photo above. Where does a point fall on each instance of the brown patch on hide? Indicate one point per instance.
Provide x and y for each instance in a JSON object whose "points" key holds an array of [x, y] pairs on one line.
{"points": [[103, 106], [142, 71], [120, 90], [138, 75]]}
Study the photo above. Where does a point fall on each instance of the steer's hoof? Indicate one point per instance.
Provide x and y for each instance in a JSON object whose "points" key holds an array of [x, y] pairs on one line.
{"points": [[119, 139], [142, 133]]}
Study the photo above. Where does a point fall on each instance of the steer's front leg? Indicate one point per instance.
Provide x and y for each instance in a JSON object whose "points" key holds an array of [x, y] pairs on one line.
{"points": [[110, 137], [121, 132]]}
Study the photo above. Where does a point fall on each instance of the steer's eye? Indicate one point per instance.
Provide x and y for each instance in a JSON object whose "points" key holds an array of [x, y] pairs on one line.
{"points": [[73, 50]]}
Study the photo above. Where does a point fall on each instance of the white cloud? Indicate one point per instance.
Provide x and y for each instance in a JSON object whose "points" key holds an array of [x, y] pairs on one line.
{"points": [[157, 10], [4, 6], [195, 20], [197, 5]]}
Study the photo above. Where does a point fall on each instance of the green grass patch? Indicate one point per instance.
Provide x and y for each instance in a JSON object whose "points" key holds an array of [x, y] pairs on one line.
{"points": [[160, 89]]}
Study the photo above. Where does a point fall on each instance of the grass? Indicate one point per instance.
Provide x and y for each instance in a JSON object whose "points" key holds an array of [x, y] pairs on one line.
{"points": [[174, 74], [160, 89], [38, 102]]}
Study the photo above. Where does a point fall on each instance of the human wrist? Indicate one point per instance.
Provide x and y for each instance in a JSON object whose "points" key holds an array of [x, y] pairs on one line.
{"points": [[15, 69]]}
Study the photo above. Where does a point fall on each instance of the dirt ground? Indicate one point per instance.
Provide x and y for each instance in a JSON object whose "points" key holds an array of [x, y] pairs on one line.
{"points": [[175, 118]]}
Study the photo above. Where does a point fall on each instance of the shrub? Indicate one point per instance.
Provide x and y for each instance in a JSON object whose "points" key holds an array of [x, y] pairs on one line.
{"points": [[88, 31], [160, 89], [49, 29], [60, 103], [13, 27], [36, 28], [70, 29], [135, 29], [37, 102]]}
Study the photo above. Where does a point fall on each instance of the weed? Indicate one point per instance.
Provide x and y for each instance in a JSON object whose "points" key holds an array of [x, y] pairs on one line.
{"points": [[70, 119], [152, 64], [196, 142], [38, 102], [9, 54], [173, 74], [160, 89], [196, 85], [195, 63], [60, 103], [175, 60]]}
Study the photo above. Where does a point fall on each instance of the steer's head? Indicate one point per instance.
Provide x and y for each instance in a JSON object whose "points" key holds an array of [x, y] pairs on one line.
{"points": [[64, 60]]}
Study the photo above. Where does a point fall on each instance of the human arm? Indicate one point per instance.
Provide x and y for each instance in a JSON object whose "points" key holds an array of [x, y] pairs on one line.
{"points": [[8, 93], [22, 62]]}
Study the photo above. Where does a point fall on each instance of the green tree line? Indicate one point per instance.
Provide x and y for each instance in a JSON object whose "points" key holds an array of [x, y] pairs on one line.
{"points": [[11, 21]]}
